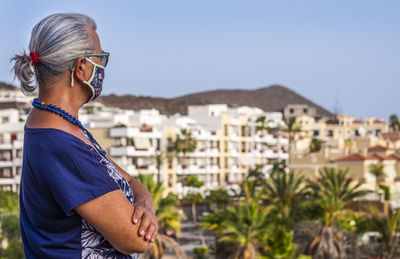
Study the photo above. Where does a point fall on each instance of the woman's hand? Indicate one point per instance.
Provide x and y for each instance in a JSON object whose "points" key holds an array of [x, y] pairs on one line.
{"points": [[149, 223]]}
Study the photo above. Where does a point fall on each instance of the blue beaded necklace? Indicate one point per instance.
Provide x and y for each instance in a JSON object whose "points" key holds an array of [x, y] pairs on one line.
{"points": [[58, 111]]}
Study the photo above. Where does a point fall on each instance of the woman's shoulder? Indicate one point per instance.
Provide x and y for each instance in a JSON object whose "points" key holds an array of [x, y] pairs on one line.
{"points": [[52, 141]]}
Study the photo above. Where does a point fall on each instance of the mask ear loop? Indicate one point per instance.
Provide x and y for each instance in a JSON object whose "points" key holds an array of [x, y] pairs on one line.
{"points": [[72, 76]]}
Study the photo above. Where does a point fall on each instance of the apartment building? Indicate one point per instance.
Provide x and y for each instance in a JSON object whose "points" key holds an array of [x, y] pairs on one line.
{"points": [[227, 145], [341, 136], [11, 144]]}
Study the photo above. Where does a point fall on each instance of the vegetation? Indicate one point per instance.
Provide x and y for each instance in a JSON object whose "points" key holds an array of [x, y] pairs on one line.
{"points": [[159, 158], [9, 215], [291, 130], [394, 123], [315, 145], [185, 142], [378, 172], [194, 196], [169, 218]]}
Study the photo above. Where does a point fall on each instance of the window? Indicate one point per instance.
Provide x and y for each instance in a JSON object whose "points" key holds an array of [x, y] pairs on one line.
{"points": [[226, 163], [225, 146], [170, 145], [330, 133], [169, 163], [5, 119], [377, 132], [158, 144], [356, 133], [305, 110], [218, 164], [243, 128], [291, 111], [226, 130], [243, 146], [248, 131]]}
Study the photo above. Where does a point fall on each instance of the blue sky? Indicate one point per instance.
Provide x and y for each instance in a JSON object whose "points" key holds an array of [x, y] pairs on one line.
{"points": [[332, 52]]}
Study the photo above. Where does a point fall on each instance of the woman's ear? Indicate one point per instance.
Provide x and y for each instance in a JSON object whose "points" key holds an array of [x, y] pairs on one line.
{"points": [[80, 69]]}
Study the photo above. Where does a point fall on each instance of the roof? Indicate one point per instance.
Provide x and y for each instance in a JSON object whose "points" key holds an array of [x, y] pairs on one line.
{"points": [[360, 157], [378, 121], [378, 148], [357, 122], [392, 136], [396, 156]]}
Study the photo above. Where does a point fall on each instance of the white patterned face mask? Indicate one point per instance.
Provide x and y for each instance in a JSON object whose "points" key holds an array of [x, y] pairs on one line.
{"points": [[96, 80]]}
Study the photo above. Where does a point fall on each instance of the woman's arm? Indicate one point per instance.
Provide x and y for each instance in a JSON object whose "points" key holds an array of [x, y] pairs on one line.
{"points": [[144, 207], [111, 215]]}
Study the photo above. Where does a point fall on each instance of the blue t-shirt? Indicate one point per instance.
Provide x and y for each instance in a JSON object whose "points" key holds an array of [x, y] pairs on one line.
{"points": [[60, 172]]}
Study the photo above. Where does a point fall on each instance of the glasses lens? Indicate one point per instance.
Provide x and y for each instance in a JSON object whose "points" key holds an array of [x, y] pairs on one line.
{"points": [[104, 61]]}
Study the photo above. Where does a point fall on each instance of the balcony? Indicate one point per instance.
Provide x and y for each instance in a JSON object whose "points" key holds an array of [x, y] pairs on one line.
{"points": [[196, 169], [6, 146], [143, 169], [6, 163], [130, 151]]}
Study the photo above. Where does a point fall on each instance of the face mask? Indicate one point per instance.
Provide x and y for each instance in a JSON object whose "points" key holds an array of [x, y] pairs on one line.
{"points": [[95, 81]]}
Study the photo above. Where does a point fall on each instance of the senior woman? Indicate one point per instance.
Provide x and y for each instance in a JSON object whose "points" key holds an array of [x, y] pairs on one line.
{"points": [[75, 202]]}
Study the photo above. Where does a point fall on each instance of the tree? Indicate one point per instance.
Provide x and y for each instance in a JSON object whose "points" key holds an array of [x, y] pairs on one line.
{"points": [[185, 142], [394, 122], [168, 216], [262, 124], [159, 157], [291, 129], [378, 172], [220, 198], [245, 227], [387, 227], [315, 145], [285, 190], [9, 209], [330, 193], [194, 197]]}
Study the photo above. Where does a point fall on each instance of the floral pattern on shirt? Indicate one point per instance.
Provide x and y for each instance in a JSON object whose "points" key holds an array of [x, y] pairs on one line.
{"points": [[94, 245]]}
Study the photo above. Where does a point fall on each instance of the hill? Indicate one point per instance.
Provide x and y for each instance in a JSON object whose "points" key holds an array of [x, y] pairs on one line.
{"points": [[272, 98]]}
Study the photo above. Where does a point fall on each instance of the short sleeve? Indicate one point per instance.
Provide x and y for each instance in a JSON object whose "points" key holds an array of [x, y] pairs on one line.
{"points": [[77, 175], [94, 141]]}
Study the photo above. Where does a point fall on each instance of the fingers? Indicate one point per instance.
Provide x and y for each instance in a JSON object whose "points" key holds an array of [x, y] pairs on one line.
{"points": [[144, 226], [153, 236], [150, 232], [150, 226], [137, 214]]}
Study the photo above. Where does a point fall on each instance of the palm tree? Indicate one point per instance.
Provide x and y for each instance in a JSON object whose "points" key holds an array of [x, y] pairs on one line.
{"points": [[378, 172], [185, 142], [159, 157], [331, 192], [245, 227], [251, 191], [168, 216], [291, 129], [394, 122], [285, 190], [262, 124], [315, 145], [387, 227]]}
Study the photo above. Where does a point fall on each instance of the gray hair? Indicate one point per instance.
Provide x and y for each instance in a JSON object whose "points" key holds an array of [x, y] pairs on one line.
{"points": [[57, 40]]}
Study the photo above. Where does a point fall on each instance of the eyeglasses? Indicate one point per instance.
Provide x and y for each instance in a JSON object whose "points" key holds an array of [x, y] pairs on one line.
{"points": [[104, 59]]}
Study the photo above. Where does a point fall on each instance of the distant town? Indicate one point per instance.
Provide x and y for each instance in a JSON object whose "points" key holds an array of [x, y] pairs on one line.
{"points": [[229, 142]]}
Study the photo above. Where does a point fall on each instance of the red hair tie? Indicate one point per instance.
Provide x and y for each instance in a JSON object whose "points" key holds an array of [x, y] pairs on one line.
{"points": [[35, 58]]}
